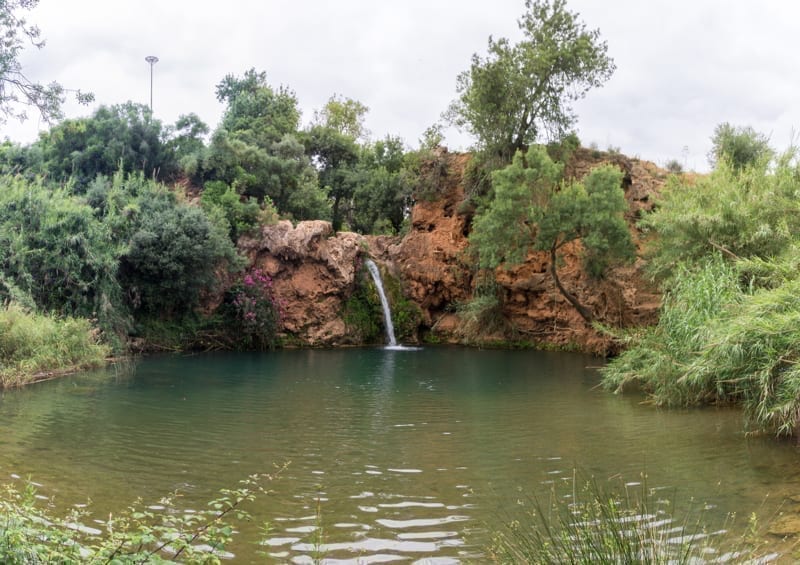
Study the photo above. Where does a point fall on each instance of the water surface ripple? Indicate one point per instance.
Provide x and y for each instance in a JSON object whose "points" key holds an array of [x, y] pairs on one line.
{"points": [[412, 455]]}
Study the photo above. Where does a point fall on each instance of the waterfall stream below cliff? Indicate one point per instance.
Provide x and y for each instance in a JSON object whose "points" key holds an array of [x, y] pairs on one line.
{"points": [[391, 341]]}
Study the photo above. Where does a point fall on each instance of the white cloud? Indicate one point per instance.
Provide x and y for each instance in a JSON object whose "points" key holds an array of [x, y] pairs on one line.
{"points": [[683, 66]]}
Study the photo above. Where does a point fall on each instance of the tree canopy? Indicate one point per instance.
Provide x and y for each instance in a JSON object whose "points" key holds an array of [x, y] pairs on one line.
{"points": [[519, 91], [120, 137], [343, 115], [533, 211], [742, 146]]}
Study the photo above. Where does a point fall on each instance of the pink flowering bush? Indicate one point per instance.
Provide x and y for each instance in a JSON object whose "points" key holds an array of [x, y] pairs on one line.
{"points": [[256, 311]]}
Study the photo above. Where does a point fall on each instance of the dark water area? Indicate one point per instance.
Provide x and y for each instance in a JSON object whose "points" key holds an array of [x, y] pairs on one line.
{"points": [[409, 454]]}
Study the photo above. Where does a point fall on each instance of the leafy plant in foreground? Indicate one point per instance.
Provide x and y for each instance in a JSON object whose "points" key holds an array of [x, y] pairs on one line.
{"points": [[33, 533]]}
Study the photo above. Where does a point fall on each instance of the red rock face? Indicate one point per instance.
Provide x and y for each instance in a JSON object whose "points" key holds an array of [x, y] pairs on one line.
{"points": [[314, 270], [430, 259], [433, 265], [313, 273]]}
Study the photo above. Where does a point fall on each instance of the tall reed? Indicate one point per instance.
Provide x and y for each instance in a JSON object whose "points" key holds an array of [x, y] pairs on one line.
{"points": [[587, 523]]}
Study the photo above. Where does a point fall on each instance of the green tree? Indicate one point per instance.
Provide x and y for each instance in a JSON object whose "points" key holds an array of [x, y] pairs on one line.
{"points": [[17, 91], [382, 197], [20, 159], [172, 253], [742, 213], [344, 115], [335, 155], [532, 211], [742, 146], [120, 137], [256, 148], [257, 113], [519, 91]]}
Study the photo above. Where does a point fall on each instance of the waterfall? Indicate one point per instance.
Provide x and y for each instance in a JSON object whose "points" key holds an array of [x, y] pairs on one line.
{"points": [[387, 313]]}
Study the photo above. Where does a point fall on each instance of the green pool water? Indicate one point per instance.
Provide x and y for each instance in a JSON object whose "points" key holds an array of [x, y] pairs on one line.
{"points": [[396, 454]]}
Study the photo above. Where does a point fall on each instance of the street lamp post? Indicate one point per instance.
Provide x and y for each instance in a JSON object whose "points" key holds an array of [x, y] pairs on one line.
{"points": [[152, 60]]}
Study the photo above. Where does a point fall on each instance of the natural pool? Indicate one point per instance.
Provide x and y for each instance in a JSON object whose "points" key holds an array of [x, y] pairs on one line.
{"points": [[415, 454]]}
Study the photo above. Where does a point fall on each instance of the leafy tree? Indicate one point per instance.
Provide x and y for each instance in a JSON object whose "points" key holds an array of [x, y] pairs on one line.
{"points": [[20, 159], [343, 115], [240, 215], [120, 137], [742, 213], [335, 155], [742, 146], [521, 90], [256, 150], [591, 212], [172, 253], [17, 91], [530, 211], [186, 141], [431, 138], [256, 113], [382, 197]]}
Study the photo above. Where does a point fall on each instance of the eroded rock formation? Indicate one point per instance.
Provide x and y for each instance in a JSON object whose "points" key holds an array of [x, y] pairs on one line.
{"points": [[433, 264], [315, 271]]}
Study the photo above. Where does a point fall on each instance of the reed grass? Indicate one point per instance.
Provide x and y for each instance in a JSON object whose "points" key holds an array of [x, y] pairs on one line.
{"points": [[37, 346], [585, 522], [658, 357]]}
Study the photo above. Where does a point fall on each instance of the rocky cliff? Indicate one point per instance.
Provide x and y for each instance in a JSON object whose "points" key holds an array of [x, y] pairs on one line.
{"points": [[315, 271]]}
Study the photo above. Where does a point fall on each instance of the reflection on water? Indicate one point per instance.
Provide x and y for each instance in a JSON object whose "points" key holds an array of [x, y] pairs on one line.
{"points": [[393, 454]]}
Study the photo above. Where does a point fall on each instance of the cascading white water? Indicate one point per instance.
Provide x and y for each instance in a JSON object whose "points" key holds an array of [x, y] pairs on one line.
{"points": [[387, 313]]}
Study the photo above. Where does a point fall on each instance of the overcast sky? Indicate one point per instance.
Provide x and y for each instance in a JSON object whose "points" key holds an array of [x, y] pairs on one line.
{"points": [[682, 66]]}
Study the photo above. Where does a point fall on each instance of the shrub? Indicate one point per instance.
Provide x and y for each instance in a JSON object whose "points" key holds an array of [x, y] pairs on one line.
{"points": [[674, 166], [241, 214], [658, 357], [172, 255], [256, 311], [726, 252], [561, 151]]}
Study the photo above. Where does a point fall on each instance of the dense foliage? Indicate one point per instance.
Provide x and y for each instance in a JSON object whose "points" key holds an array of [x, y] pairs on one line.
{"points": [[128, 249], [741, 146], [122, 137], [531, 210], [726, 252]]}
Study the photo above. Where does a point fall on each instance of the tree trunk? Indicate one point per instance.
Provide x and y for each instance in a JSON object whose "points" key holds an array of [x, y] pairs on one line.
{"points": [[336, 221], [582, 310]]}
